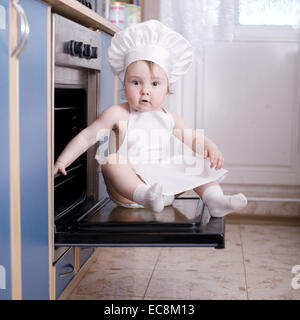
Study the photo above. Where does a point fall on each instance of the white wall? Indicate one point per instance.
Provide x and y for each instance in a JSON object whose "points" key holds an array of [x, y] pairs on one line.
{"points": [[151, 9], [245, 95], [250, 108]]}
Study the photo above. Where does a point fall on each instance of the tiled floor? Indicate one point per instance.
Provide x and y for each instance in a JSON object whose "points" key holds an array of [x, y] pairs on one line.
{"points": [[256, 264]]}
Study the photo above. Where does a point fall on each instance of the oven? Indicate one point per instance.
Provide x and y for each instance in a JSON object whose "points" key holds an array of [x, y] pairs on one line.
{"points": [[83, 213]]}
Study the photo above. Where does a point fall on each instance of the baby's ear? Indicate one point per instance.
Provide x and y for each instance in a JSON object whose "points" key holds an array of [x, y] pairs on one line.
{"points": [[170, 88], [122, 94]]}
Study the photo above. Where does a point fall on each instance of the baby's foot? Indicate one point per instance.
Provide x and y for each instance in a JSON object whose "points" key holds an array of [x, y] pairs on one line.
{"points": [[238, 202], [154, 198], [226, 204], [149, 197], [220, 205]]}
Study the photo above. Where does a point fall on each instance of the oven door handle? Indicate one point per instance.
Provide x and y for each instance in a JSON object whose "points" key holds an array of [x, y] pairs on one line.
{"points": [[24, 27]]}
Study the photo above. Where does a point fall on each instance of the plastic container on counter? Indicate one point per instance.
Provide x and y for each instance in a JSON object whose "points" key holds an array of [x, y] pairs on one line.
{"points": [[132, 15], [117, 14]]}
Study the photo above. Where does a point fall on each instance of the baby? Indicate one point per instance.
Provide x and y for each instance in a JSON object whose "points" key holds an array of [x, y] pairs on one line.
{"points": [[148, 58]]}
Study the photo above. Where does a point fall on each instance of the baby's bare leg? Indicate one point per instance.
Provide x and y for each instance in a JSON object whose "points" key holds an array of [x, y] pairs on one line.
{"points": [[124, 181], [200, 190], [120, 176]]}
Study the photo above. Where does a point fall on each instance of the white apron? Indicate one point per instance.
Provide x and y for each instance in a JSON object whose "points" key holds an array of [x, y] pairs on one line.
{"points": [[147, 147]]}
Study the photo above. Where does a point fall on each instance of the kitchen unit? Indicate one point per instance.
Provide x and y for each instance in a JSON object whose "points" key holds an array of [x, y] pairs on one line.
{"points": [[27, 237], [24, 86], [50, 226]]}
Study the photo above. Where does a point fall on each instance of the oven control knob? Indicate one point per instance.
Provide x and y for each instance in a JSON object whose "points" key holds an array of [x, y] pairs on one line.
{"points": [[94, 54], [76, 48], [87, 51]]}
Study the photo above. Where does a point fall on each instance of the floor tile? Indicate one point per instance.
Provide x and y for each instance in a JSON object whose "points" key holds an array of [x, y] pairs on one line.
{"points": [[74, 296], [143, 258], [256, 264], [271, 285], [200, 259], [196, 285], [206, 260], [270, 262], [270, 252], [270, 239], [99, 283]]}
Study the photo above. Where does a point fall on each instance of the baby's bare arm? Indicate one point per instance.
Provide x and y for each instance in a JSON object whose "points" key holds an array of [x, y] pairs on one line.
{"points": [[191, 138], [86, 138], [198, 142]]}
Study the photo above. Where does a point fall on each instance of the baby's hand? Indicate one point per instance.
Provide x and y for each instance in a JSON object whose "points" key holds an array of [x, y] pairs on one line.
{"points": [[216, 157], [59, 167]]}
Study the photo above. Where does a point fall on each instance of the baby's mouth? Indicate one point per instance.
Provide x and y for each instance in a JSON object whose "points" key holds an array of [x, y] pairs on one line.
{"points": [[144, 101]]}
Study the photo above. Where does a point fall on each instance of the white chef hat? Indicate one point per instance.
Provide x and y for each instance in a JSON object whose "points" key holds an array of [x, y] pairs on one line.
{"points": [[152, 41]]}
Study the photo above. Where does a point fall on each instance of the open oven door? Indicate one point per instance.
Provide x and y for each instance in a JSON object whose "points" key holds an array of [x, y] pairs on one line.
{"points": [[186, 222]]}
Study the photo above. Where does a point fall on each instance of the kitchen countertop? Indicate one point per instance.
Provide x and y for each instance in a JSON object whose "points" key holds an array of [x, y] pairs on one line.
{"points": [[76, 11]]}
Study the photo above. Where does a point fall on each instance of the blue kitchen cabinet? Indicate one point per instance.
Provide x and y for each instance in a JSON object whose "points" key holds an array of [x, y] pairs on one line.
{"points": [[33, 143], [34, 154], [5, 254], [32, 106]]}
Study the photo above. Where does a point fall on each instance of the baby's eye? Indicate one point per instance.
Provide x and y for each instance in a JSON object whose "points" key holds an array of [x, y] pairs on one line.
{"points": [[135, 82], [155, 83]]}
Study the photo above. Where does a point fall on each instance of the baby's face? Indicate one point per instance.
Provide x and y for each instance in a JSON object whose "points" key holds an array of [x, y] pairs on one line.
{"points": [[145, 89]]}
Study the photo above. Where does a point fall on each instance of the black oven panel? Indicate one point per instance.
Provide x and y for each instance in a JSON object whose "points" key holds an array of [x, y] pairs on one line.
{"points": [[75, 45], [69, 120], [186, 223]]}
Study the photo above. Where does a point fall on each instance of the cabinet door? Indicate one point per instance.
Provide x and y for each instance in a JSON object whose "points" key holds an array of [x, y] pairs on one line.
{"points": [[64, 271], [33, 154], [5, 280]]}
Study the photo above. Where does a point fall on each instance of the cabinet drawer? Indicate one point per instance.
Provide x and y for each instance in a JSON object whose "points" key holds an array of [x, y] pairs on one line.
{"points": [[85, 253], [64, 271]]}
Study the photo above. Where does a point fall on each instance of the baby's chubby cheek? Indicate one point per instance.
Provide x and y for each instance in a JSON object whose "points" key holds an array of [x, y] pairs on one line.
{"points": [[131, 98]]}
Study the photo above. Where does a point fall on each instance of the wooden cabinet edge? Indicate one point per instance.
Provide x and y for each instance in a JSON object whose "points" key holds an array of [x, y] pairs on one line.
{"points": [[49, 142], [76, 11], [15, 217]]}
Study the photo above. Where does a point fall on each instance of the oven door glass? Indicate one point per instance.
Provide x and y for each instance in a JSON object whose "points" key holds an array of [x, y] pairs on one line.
{"points": [[185, 223]]}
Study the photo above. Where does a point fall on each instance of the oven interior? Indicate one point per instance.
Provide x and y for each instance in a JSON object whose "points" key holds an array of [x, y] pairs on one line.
{"points": [[69, 120]]}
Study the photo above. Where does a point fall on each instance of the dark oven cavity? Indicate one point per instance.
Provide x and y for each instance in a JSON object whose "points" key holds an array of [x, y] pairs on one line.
{"points": [[70, 117]]}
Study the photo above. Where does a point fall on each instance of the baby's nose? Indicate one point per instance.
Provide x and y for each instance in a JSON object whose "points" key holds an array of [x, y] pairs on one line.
{"points": [[145, 91]]}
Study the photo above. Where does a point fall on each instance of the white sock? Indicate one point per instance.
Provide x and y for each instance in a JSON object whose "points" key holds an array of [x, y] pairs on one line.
{"points": [[219, 205], [149, 197]]}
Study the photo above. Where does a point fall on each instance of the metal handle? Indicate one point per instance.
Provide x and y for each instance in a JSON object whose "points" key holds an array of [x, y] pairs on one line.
{"points": [[65, 274], [24, 29]]}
